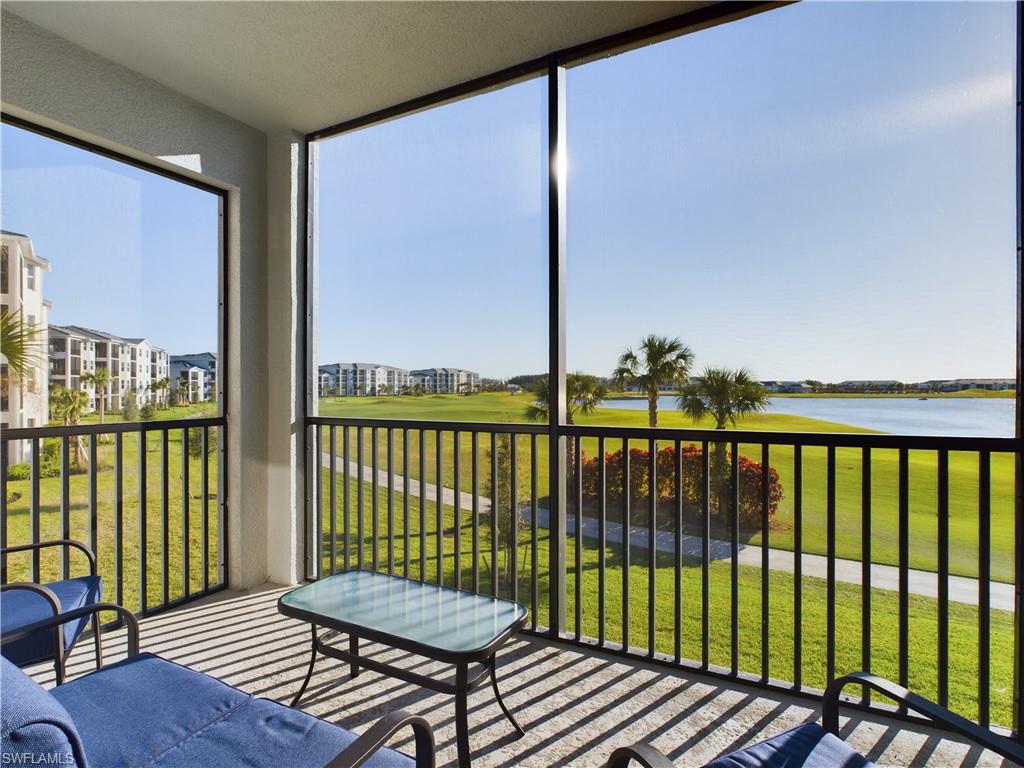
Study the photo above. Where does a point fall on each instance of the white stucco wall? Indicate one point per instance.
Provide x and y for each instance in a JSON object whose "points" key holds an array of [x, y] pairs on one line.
{"points": [[54, 83]]}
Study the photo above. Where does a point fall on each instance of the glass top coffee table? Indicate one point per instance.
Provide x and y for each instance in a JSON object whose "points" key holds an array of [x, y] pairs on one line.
{"points": [[440, 623]]}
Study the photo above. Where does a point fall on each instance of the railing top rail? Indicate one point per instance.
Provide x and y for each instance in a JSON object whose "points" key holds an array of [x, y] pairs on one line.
{"points": [[837, 439], [444, 426], [30, 433]]}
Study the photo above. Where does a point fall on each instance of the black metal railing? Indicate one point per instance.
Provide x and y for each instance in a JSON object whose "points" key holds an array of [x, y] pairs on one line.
{"points": [[780, 559], [147, 497]]}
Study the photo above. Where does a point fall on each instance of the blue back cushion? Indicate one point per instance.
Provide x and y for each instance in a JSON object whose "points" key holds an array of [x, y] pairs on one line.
{"points": [[33, 722], [806, 746]]}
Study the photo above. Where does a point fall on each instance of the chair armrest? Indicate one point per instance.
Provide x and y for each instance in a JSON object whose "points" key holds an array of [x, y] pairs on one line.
{"points": [[939, 715], [362, 749], [66, 543], [642, 753], [76, 613]]}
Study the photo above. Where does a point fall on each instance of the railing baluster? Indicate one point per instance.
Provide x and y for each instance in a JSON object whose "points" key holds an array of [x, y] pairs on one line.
{"points": [[495, 588], [143, 524], [374, 501], [984, 585], [165, 516], [119, 518], [406, 537], [514, 522], [578, 535], [533, 532], [3, 511], [186, 504], [705, 549], [652, 539], [332, 444], [734, 519], [865, 561], [798, 566], [205, 525], [391, 500], [830, 566], [423, 504], [65, 504], [943, 556], [94, 523], [439, 511], [346, 474], [359, 499], [904, 569], [457, 507], [765, 572], [602, 535], [475, 479], [677, 621], [35, 507], [626, 542]]}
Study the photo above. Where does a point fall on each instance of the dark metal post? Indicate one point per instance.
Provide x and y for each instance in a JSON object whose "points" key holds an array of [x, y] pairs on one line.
{"points": [[556, 343]]}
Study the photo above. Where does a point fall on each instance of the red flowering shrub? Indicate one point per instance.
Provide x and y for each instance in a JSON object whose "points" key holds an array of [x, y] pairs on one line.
{"points": [[691, 462]]}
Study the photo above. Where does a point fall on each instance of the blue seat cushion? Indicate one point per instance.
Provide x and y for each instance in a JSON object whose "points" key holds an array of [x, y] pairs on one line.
{"points": [[34, 728], [265, 734], [131, 712], [21, 607], [147, 711], [806, 746]]}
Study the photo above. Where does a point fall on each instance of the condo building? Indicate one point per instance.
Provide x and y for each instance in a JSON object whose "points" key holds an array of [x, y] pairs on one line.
{"points": [[23, 403], [197, 373], [135, 365], [362, 379], [440, 381]]}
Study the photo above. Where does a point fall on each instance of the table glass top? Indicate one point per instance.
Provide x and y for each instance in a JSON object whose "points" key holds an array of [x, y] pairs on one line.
{"points": [[438, 617]]}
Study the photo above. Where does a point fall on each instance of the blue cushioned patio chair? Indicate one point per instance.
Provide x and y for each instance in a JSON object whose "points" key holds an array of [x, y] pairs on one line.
{"points": [[147, 712], [23, 603], [819, 746]]}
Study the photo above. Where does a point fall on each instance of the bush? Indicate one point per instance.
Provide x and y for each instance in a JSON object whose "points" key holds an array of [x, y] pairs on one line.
{"points": [[147, 412], [691, 480], [129, 406], [195, 442], [47, 468]]}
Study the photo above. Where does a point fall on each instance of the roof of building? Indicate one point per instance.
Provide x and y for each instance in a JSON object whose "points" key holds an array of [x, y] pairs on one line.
{"points": [[12, 234]]}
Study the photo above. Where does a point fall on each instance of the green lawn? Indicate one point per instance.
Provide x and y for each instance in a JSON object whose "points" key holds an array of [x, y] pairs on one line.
{"points": [[963, 634], [19, 505], [923, 539]]}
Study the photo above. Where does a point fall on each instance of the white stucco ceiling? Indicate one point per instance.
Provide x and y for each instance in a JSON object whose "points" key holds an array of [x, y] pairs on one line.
{"points": [[305, 65]]}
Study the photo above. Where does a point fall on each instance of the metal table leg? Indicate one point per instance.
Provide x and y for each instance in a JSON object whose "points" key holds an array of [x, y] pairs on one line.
{"points": [[501, 702], [353, 647], [309, 672], [462, 715]]}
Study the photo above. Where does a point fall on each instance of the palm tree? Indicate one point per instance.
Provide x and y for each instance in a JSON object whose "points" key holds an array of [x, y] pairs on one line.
{"points": [[69, 406], [724, 395], [99, 378], [661, 360], [19, 342], [583, 394]]}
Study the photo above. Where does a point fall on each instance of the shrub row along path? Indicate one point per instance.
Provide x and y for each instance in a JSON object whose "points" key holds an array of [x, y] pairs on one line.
{"points": [[925, 583]]}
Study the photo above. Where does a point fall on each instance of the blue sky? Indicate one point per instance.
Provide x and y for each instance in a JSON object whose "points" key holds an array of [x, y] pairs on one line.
{"points": [[823, 191], [130, 252]]}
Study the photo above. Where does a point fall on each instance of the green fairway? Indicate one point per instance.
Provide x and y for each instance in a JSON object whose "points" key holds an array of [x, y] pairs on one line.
{"points": [[923, 502], [963, 633]]}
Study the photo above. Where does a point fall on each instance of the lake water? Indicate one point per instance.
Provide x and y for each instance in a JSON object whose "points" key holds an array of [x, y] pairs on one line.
{"points": [[964, 416]]}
